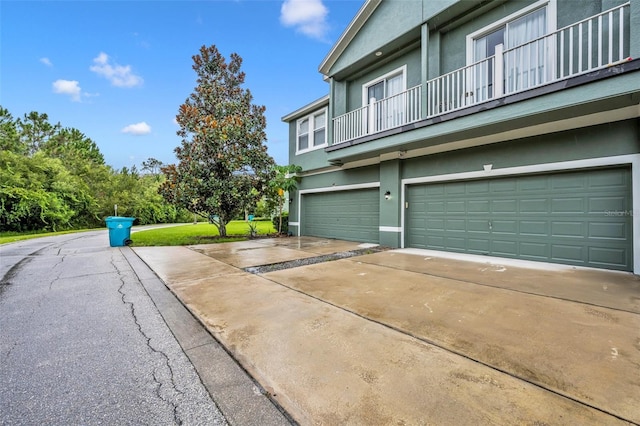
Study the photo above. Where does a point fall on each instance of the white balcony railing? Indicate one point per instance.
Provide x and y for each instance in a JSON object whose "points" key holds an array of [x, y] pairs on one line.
{"points": [[594, 43], [379, 115], [591, 44]]}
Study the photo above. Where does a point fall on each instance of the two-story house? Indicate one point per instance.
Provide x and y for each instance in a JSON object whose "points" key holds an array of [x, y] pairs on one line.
{"points": [[505, 128]]}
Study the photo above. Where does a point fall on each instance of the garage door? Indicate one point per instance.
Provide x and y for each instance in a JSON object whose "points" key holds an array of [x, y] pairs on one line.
{"points": [[578, 218], [347, 215]]}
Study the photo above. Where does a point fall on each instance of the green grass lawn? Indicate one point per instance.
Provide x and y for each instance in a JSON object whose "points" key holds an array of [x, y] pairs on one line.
{"points": [[201, 233]]}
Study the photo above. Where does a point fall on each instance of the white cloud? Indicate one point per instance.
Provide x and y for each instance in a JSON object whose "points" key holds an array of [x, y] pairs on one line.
{"points": [[137, 129], [307, 16], [46, 61], [68, 87], [118, 75]]}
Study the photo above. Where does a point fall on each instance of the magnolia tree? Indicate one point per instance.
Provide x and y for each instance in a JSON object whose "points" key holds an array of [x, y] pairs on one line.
{"points": [[223, 166]]}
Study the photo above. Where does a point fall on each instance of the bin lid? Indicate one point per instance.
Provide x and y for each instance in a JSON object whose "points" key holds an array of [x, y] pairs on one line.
{"points": [[119, 219]]}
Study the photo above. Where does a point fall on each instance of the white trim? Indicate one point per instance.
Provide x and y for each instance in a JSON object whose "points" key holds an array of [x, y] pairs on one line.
{"points": [[632, 160], [348, 35], [333, 188], [340, 188], [500, 261], [305, 110], [294, 224], [365, 87], [551, 23], [390, 229], [311, 146]]}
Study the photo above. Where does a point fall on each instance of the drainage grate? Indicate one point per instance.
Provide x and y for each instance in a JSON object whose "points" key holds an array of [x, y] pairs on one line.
{"points": [[262, 269]]}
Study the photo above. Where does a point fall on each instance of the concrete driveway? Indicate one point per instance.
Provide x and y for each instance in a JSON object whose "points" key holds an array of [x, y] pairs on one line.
{"points": [[410, 337]]}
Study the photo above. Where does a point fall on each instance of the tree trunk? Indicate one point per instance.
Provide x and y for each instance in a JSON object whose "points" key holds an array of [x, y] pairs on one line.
{"points": [[222, 228]]}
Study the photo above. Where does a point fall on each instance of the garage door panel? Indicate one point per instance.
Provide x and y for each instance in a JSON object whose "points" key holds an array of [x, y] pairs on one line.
{"points": [[504, 248], [498, 186], [611, 179], [569, 181], [504, 227], [477, 187], [476, 206], [504, 206], [567, 253], [568, 217], [534, 206], [534, 251], [534, 228], [607, 204], [567, 229], [477, 245], [456, 225], [349, 215], [456, 243], [607, 256], [607, 230], [453, 207], [434, 207], [478, 225], [567, 205]]}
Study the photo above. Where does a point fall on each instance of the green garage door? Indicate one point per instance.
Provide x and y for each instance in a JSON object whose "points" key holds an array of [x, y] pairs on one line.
{"points": [[578, 218], [346, 215]]}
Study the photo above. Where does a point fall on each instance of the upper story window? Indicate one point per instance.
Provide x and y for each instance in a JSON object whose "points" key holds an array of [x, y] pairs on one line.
{"points": [[528, 57], [384, 86], [311, 131]]}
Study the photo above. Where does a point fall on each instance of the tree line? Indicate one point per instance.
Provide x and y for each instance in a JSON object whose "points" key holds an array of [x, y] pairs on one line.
{"points": [[55, 178]]}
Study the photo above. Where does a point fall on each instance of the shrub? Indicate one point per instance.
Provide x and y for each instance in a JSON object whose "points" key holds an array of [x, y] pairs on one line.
{"points": [[285, 223]]}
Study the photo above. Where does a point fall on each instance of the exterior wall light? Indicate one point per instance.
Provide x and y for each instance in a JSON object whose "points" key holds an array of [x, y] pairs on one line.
{"points": [[387, 195]]}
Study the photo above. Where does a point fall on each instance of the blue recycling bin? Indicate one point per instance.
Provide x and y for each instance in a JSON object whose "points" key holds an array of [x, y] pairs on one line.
{"points": [[119, 230]]}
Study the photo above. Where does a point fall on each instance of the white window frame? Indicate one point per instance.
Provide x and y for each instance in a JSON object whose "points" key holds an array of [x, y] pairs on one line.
{"points": [[365, 87], [552, 23], [311, 131]]}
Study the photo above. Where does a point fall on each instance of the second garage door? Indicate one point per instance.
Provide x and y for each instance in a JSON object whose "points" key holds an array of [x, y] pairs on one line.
{"points": [[347, 215], [578, 218]]}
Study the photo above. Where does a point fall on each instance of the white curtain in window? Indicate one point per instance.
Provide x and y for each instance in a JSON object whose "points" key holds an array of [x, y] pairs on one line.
{"points": [[395, 85], [525, 64]]}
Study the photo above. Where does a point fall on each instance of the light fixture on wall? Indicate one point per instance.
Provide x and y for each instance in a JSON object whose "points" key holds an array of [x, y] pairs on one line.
{"points": [[387, 195], [378, 53], [290, 200]]}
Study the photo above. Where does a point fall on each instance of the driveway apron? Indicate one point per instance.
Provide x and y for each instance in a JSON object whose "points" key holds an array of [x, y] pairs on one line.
{"points": [[396, 337]]}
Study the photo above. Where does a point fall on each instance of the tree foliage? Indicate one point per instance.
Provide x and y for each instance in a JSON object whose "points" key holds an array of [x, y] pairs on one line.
{"points": [[283, 182], [54, 178], [223, 167]]}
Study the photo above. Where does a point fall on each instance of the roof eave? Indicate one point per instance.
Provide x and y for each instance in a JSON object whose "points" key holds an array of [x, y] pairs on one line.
{"points": [[313, 106]]}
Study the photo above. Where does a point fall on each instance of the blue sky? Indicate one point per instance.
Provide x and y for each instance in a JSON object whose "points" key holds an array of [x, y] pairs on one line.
{"points": [[118, 70]]}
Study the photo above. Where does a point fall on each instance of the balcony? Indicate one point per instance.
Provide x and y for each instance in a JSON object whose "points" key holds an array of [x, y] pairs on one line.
{"points": [[586, 46]]}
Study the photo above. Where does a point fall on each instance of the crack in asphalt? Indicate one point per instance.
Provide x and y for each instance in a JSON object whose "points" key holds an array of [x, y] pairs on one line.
{"points": [[155, 373], [11, 274]]}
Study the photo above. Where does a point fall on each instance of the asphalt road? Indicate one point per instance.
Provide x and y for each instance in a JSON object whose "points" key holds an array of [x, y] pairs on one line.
{"points": [[81, 341]]}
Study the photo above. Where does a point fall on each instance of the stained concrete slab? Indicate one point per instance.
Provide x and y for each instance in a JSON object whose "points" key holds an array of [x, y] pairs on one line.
{"points": [[585, 352], [616, 290], [331, 344], [251, 255]]}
